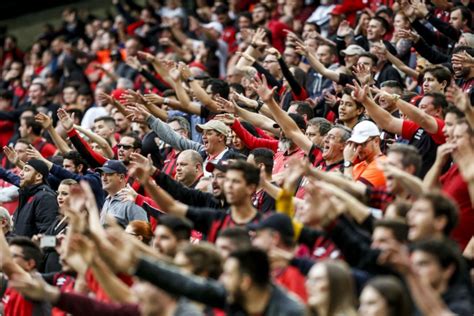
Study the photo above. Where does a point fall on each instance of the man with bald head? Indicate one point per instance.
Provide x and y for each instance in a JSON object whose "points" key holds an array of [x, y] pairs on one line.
{"points": [[189, 168]]}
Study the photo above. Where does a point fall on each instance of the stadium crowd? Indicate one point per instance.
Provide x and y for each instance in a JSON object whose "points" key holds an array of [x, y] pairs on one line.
{"points": [[290, 157]]}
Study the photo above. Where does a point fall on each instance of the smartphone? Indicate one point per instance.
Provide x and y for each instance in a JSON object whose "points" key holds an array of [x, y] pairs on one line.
{"points": [[48, 242]]}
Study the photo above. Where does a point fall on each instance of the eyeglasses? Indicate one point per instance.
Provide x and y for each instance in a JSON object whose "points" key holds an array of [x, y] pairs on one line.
{"points": [[125, 147]]}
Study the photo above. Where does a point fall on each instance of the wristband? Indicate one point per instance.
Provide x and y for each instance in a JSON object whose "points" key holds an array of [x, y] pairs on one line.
{"points": [[259, 106], [166, 101], [190, 79]]}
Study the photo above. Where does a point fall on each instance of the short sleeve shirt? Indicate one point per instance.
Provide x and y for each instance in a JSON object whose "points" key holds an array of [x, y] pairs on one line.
{"points": [[210, 221], [426, 143]]}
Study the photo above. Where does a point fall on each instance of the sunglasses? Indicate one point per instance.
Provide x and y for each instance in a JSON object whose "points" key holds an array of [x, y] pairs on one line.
{"points": [[125, 147]]}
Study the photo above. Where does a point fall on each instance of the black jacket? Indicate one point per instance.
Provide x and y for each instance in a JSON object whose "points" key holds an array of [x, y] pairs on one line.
{"points": [[37, 210]]}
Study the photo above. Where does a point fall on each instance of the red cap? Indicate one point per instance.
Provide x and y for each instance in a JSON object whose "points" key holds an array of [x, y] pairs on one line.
{"points": [[117, 95], [338, 10]]}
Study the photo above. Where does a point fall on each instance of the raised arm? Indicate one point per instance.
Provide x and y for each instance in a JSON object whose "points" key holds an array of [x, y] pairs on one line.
{"points": [[8, 266], [382, 49], [198, 91], [164, 132], [382, 117], [255, 119], [185, 102], [426, 121], [286, 123], [303, 50], [97, 139], [47, 124], [142, 168]]}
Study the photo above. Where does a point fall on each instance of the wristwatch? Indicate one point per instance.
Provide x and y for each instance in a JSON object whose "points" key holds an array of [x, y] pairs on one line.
{"points": [[348, 164]]}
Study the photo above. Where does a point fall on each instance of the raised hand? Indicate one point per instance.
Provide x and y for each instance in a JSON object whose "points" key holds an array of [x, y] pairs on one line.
{"points": [[11, 154], [409, 35], [33, 153], [226, 105], [296, 169], [258, 38], [420, 8], [104, 98], [359, 93], [66, 120], [133, 62], [133, 97], [260, 87], [344, 29], [330, 99], [301, 48], [380, 48], [362, 73], [154, 99], [44, 120], [137, 112], [127, 194], [273, 51], [184, 71], [141, 167], [146, 56], [80, 254], [456, 96], [123, 254], [226, 118]]}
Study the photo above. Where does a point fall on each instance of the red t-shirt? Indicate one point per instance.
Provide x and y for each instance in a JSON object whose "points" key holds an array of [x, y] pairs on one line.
{"points": [[282, 158], [278, 35], [46, 149], [15, 304], [426, 143], [291, 279], [453, 184]]}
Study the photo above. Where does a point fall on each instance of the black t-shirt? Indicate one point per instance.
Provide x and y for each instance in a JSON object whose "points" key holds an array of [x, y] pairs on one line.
{"points": [[210, 221]]}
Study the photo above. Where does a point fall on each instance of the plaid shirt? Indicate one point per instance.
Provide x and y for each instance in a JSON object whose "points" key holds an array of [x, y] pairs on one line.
{"points": [[379, 197]]}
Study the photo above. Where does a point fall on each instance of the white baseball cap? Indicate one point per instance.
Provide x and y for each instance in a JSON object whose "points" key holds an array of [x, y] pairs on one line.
{"points": [[363, 131]]}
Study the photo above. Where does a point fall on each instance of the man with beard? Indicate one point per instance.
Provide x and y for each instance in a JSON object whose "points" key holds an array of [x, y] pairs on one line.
{"points": [[122, 125], [171, 232], [362, 153], [463, 73], [37, 207]]}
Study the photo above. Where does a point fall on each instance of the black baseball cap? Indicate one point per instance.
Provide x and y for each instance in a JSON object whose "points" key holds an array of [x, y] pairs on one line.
{"points": [[40, 166], [278, 222], [223, 164], [113, 166]]}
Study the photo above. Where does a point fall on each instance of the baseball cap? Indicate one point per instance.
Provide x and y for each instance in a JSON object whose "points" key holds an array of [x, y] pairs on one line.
{"points": [[363, 131], [40, 166], [338, 10], [214, 25], [352, 50], [113, 166], [278, 222], [216, 125], [223, 164]]}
